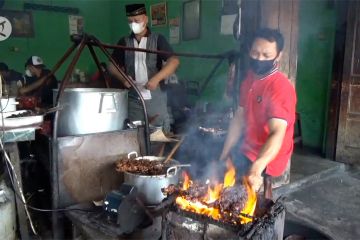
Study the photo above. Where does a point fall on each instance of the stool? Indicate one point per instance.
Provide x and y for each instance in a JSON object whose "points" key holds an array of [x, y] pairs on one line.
{"points": [[297, 134]]}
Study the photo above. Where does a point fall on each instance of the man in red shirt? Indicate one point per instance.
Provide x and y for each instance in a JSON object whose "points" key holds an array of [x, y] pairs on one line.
{"points": [[263, 124]]}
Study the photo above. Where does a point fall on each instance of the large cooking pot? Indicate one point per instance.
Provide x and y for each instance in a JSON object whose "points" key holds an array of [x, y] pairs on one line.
{"points": [[149, 187], [91, 110]]}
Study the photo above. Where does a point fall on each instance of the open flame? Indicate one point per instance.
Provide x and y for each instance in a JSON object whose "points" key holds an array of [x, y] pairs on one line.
{"points": [[201, 206]]}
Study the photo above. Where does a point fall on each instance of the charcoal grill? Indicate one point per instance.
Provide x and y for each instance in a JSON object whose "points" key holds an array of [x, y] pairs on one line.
{"points": [[267, 225]]}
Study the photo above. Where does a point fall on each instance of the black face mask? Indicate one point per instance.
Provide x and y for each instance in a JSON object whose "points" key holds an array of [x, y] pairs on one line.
{"points": [[261, 67]]}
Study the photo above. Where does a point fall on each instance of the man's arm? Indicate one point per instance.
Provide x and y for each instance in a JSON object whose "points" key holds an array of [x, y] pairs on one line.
{"points": [[33, 86], [268, 152], [114, 72], [169, 68], [234, 133]]}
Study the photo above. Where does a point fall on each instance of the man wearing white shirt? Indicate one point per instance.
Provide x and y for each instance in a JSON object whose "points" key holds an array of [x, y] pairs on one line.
{"points": [[145, 69]]}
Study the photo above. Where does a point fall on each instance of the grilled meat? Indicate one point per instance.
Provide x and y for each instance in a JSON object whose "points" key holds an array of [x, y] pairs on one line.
{"points": [[142, 166]]}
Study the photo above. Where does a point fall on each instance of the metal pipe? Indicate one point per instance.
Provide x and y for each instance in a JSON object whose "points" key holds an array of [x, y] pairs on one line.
{"points": [[207, 80], [70, 70], [61, 61], [63, 84], [54, 167], [216, 56], [268, 187], [91, 49], [147, 130]]}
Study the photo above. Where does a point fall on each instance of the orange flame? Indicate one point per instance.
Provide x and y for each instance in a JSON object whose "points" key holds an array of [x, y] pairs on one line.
{"points": [[186, 183], [250, 205], [229, 179], [214, 193]]}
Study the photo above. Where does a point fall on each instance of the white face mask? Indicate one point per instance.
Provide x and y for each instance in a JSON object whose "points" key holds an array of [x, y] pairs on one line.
{"points": [[137, 27], [28, 73]]}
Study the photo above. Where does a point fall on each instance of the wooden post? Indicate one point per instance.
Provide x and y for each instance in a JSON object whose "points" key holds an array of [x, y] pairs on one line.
{"points": [[284, 15]]}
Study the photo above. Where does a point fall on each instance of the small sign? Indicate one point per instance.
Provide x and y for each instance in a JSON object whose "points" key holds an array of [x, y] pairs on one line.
{"points": [[5, 28], [76, 24], [174, 30]]}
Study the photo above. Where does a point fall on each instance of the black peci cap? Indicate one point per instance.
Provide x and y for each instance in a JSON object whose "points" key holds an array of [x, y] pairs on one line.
{"points": [[135, 9]]}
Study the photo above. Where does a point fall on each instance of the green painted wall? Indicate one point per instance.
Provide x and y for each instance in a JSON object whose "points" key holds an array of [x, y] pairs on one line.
{"points": [[51, 38], [106, 19], [210, 42], [316, 44]]}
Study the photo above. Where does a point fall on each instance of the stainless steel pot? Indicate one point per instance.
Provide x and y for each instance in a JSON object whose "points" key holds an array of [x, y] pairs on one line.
{"points": [[149, 187], [91, 110]]}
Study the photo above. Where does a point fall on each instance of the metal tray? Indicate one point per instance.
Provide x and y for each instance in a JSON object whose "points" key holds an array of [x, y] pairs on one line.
{"points": [[17, 122]]}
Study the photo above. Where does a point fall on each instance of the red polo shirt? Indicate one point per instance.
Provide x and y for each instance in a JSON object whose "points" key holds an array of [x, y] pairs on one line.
{"points": [[262, 99]]}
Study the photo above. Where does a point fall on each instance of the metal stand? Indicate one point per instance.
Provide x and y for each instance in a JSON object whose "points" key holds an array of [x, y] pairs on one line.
{"points": [[79, 43]]}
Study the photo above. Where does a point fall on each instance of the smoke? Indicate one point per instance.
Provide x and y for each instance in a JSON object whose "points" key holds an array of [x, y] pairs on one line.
{"points": [[202, 150]]}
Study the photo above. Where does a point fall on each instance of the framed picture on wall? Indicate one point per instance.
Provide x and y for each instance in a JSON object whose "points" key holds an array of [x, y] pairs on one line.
{"points": [[21, 22], [191, 20], [158, 14]]}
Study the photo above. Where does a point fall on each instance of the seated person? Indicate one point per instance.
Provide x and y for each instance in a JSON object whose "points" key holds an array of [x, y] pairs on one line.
{"points": [[41, 85], [11, 79], [99, 78]]}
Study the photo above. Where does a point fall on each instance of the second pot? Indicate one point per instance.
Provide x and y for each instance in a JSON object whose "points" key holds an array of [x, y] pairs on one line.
{"points": [[149, 187]]}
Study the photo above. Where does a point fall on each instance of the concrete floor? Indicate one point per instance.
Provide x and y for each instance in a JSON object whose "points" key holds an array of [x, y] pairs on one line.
{"points": [[325, 195]]}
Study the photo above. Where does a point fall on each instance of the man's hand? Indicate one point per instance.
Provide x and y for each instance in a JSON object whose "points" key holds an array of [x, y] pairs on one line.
{"points": [[255, 178], [127, 84], [21, 91], [152, 84], [255, 181]]}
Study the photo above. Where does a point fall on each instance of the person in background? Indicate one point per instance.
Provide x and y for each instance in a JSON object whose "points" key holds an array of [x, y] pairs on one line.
{"points": [[11, 79], [145, 69], [97, 79], [42, 84], [264, 120]]}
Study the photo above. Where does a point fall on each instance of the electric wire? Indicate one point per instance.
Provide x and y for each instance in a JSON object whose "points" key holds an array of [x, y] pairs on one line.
{"points": [[41, 209], [19, 194], [13, 177], [7, 159]]}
